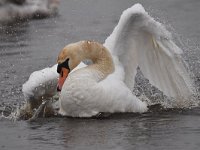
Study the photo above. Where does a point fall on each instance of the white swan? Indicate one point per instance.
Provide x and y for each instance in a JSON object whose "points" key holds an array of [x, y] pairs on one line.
{"points": [[137, 40]]}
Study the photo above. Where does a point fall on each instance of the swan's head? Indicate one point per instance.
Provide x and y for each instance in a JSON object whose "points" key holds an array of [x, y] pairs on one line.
{"points": [[67, 60], [72, 54]]}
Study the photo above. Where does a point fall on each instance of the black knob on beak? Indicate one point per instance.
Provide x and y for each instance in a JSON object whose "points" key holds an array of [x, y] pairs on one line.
{"points": [[58, 89]]}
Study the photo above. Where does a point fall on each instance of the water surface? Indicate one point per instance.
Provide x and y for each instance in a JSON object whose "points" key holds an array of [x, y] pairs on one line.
{"points": [[29, 46]]}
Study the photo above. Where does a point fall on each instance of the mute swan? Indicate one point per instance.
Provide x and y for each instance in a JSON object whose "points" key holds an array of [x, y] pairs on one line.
{"points": [[137, 40]]}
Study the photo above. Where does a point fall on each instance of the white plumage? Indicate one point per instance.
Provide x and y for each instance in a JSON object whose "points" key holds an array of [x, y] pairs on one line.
{"points": [[137, 40]]}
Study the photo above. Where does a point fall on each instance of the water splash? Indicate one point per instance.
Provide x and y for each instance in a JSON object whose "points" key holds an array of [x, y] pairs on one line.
{"points": [[47, 108]]}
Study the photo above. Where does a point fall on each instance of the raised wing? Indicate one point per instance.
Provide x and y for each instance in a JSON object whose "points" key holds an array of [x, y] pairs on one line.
{"points": [[138, 40]]}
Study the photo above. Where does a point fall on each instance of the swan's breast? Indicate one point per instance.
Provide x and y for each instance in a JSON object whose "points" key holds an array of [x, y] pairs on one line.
{"points": [[79, 95]]}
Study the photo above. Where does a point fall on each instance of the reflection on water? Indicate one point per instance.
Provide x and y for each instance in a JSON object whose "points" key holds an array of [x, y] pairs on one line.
{"points": [[121, 131]]}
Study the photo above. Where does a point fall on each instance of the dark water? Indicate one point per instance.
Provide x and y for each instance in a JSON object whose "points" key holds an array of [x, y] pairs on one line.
{"points": [[29, 46]]}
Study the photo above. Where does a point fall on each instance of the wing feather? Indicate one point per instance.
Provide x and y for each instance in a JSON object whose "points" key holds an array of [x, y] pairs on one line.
{"points": [[139, 40]]}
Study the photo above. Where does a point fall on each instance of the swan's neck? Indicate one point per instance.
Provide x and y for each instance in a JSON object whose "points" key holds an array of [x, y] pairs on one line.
{"points": [[100, 56]]}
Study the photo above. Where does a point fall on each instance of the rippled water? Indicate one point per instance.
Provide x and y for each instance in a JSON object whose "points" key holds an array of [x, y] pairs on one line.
{"points": [[29, 46]]}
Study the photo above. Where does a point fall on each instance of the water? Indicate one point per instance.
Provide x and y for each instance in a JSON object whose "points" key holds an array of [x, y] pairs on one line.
{"points": [[29, 46]]}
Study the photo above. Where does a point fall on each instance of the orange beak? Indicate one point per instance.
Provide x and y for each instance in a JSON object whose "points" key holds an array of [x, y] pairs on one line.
{"points": [[63, 75]]}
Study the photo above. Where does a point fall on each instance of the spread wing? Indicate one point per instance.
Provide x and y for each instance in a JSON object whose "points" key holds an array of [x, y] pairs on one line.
{"points": [[139, 40]]}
